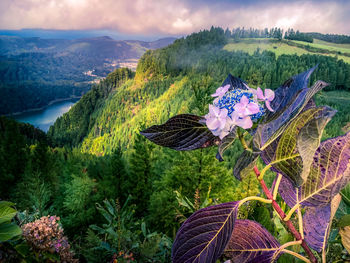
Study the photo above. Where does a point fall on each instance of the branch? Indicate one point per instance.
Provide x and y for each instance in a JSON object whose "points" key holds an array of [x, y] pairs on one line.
{"points": [[282, 215]]}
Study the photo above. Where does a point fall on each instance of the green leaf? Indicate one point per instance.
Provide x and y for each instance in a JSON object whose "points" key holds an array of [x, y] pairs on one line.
{"points": [[303, 133], [344, 221], [23, 249], [6, 214], [105, 213], [262, 215], [6, 203], [345, 193], [9, 231]]}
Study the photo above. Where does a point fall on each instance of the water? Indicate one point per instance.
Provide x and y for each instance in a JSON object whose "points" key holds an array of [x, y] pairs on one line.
{"points": [[44, 118]]}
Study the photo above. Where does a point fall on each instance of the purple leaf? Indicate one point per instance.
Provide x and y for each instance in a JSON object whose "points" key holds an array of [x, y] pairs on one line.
{"points": [[329, 173], [301, 137], [317, 223], [235, 83], [226, 142], [182, 132], [285, 94], [205, 234], [245, 163], [273, 127], [251, 243]]}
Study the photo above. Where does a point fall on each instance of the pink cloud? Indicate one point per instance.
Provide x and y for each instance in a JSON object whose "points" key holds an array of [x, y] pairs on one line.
{"points": [[173, 17]]}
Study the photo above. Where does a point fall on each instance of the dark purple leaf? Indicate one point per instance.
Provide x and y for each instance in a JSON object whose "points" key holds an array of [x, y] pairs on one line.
{"points": [[329, 173], [317, 223], [316, 226], [205, 234], [235, 83], [247, 160], [225, 143], [285, 94], [182, 132], [251, 243], [270, 130], [290, 153]]}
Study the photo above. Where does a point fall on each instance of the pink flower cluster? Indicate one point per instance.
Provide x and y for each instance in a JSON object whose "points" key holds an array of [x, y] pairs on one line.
{"points": [[221, 123], [45, 234]]}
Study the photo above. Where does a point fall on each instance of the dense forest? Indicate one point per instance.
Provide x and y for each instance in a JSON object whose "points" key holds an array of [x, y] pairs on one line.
{"points": [[120, 197], [34, 71]]}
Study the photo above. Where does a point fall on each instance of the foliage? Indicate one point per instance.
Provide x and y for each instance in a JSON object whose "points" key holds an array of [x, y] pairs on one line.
{"points": [[45, 237], [125, 239], [294, 125], [8, 229], [291, 35]]}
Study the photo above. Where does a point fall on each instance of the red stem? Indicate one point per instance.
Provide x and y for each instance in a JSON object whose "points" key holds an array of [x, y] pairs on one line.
{"points": [[288, 223]]}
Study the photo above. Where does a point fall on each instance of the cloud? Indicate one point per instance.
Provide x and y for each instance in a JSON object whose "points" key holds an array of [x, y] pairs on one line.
{"points": [[174, 17]]}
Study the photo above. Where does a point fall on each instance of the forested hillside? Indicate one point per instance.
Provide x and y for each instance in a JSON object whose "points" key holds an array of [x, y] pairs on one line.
{"points": [[120, 196]]}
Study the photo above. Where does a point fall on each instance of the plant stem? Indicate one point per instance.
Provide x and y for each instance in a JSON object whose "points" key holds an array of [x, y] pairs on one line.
{"points": [[255, 198], [282, 215], [277, 185]]}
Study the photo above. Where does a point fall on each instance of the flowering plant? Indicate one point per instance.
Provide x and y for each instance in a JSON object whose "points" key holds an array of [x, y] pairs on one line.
{"points": [[45, 236], [284, 129], [236, 108]]}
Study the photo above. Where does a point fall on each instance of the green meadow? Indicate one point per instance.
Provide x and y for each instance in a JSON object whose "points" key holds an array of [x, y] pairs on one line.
{"points": [[250, 45]]}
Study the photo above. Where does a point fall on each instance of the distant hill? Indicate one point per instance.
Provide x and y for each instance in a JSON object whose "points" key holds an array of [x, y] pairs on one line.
{"points": [[35, 71], [180, 78]]}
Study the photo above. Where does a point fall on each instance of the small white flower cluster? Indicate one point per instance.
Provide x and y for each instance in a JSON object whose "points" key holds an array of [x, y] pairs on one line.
{"points": [[236, 108]]}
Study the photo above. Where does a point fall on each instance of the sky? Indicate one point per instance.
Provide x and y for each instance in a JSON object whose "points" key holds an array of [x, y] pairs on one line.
{"points": [[175, 18]]}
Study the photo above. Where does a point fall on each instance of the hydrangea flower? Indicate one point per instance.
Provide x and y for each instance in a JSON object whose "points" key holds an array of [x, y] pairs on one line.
{"points": [[245, 107], [268, 97], [216, 118], [236, 108], [220, 92]]}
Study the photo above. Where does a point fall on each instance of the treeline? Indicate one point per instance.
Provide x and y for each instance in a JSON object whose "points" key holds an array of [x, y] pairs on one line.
{"points": [[296, 35], [290, 34], [334, 38], [238, 33]]}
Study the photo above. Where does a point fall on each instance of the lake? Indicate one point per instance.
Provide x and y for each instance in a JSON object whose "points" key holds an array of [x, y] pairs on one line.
{"points": [[44, 118]]}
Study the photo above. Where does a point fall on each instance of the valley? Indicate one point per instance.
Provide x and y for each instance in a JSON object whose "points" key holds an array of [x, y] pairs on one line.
{"points": [[35, 71]]}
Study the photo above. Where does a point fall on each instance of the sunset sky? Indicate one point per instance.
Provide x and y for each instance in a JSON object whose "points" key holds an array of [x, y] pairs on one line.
{"points": [[169, 17]]}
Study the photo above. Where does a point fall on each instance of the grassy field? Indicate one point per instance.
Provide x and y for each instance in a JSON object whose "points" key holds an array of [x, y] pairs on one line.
{"points": [[340, 101], [344, 48], [279, 48], [251, 45]]}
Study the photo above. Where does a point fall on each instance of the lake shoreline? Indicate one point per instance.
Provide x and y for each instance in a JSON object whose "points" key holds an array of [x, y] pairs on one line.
{"points": [[42, 108]]}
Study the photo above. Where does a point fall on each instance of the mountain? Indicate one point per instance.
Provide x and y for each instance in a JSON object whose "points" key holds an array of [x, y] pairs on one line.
{"points": [[35, 71]]}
